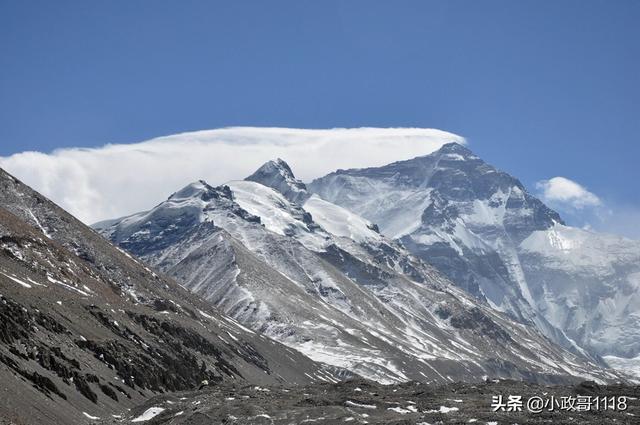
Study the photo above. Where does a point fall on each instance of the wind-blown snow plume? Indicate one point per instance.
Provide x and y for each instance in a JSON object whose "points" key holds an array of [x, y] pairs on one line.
{"points": [[118, 179]]}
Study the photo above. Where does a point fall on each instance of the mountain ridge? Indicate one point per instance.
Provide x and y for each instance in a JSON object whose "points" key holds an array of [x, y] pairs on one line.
{"points": [[480, 227], [373, 307]]}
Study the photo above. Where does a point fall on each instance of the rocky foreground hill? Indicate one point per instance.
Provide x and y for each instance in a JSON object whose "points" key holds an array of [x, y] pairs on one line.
{"points": [[87, 332]]}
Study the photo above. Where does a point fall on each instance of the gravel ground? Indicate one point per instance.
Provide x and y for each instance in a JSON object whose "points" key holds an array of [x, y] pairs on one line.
{"points": [[361, 402]]}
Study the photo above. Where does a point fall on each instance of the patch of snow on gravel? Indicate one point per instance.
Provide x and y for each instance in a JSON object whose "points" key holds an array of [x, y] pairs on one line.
{"points": [[149, 414]]}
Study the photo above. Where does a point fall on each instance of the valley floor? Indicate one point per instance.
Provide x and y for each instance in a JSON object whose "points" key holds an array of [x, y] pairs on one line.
{"points": [[361, 402]]}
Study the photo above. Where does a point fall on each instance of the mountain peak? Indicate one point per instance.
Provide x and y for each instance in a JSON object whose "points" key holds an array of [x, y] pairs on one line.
{"points": [[454, 148], [282, 164], [273, 167], [201, 191], [277, 175]]}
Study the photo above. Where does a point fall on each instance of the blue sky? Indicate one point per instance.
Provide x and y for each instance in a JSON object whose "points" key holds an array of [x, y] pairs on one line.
{"points": [[539, 89]]}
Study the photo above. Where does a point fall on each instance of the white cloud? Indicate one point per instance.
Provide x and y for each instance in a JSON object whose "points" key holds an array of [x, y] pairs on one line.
{"points": [[564, 192], [581, 208], [119, 179]]}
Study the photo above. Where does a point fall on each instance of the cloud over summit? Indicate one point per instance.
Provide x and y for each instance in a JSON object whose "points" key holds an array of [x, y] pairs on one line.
{"points": [[561, 190], [118, 179]]}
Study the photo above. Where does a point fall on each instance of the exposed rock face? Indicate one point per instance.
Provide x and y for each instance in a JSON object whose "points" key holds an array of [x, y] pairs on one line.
{"points": [[86, 328], [481, 228], [329, 285]]}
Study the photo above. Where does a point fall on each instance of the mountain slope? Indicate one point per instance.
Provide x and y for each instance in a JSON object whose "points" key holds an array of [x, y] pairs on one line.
{"points": [[481, 228], [86, 331], [364, 304]]}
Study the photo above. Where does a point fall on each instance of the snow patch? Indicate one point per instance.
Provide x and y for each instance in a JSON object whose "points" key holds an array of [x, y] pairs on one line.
{"points": [[360, 405], [149, 414], [443, 409], [340, 221], [18, 281], [93, 418]]}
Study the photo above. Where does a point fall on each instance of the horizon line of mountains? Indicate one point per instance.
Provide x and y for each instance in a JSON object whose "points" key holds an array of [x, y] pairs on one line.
{"points": [[436, 269], [450, 211]]}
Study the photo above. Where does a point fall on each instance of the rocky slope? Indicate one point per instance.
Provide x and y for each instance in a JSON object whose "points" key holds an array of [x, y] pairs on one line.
{"points": [[481, 228], [334, 289], [86, 331]]}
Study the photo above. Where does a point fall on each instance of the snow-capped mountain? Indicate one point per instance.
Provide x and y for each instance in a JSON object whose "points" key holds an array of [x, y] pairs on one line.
{"points": [[481, 228], [324, 281], [278, 175], [87, 332]]}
